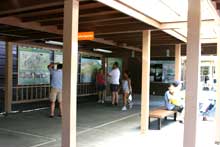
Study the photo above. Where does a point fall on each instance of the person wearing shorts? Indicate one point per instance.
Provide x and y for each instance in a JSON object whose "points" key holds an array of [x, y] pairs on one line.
{"points": [[126, 87], [114, 84], [56, 88], [100, 81]]}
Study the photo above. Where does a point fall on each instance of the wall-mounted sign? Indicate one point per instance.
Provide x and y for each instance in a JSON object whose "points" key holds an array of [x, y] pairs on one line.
{"points": [[86, 36], [32, 66]]}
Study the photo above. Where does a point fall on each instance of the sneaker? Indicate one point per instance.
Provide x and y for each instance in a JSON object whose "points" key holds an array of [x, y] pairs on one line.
{"points": [[124, 108], [103, 101], [99, 101]]}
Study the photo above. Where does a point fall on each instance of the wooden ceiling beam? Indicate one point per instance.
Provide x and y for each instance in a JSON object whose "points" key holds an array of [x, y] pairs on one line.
{"points": [[82, 21], [90, 5], [7, 9], [42, 17], [115, 28], [40, 13], [59, 17], [98, 40], [107, 23], [13, 21]]}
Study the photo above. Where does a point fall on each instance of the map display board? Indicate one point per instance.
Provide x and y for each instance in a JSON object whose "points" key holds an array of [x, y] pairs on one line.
{"points": [[58, 56], [32, 66], [89, 68]]}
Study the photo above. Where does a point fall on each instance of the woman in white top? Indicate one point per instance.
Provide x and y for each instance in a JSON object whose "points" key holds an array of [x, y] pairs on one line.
{"points": [[126, 87]]}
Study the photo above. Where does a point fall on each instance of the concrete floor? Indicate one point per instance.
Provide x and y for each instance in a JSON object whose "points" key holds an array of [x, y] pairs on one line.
{"points": [[97, 126]]}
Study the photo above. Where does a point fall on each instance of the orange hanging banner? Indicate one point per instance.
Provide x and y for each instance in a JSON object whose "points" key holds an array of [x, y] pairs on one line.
{"points": [[86, 36]]}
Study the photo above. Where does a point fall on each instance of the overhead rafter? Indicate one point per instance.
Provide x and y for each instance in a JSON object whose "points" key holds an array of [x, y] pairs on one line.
{"points": [[13, 21], [35, 6], [112, 43]]}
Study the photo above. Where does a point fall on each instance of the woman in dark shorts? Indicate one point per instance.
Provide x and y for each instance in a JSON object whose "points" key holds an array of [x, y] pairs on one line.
{"points": [[100, 81]]}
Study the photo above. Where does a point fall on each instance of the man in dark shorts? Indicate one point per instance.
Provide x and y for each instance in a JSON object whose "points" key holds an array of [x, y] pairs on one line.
{"points": [[115, 76]]}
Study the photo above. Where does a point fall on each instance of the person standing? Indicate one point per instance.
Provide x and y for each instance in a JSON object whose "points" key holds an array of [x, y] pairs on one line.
{"points": [[100, 81], [56, 88], [126, 87], [114, 84]]}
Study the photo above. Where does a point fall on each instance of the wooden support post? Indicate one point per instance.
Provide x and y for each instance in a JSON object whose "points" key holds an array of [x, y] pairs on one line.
{"points": [[217, 113], [9, 77], [178, 62], [70, 53], [145, 88], [192, 73]]}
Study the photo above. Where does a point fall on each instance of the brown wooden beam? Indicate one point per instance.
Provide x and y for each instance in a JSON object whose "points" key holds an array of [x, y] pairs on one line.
{"points": [[9, 8], [42, 17], [13, 21], [112, 43], [37, 14], [90, 5]]}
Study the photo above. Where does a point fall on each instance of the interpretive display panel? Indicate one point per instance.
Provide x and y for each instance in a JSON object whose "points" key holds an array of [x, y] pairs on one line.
{"points": [[32, 66], [88, 69]]}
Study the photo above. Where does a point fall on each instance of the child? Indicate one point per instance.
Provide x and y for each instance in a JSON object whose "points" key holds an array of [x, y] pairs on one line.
{"points": [[100, 81], [126, 87]]}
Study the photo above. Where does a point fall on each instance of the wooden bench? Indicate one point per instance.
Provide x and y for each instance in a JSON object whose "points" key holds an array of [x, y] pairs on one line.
{"points": [[161, 113]]}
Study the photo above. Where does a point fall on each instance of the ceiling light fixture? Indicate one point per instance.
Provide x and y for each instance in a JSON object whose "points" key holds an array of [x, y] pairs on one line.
{"points": [[54, 42], [102, 50]]}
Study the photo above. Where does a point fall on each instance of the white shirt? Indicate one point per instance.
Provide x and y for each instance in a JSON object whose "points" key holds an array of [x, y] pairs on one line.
{"points": [[115, 76]]}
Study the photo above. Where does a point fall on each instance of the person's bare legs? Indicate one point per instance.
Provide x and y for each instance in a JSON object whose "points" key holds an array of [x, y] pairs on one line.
{"points": [[61, 108], [103, 96], [113, 98], [100, 96], [125, 96], [52, 108], [116, 97]]}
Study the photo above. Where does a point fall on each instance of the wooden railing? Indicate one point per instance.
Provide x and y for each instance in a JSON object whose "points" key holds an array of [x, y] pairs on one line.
{"points": [[26, 94], [86, 89]]}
